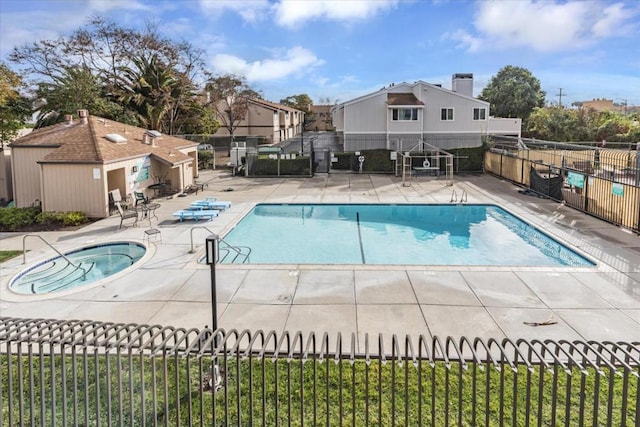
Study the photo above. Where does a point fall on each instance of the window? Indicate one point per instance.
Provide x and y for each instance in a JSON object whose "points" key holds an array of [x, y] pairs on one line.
{"points": [[446, 114], [479, 114], [404, 114]]}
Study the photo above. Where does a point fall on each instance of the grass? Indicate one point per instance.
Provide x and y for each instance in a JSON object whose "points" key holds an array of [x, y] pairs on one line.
{"points": [[6, 255], [135, 389]]}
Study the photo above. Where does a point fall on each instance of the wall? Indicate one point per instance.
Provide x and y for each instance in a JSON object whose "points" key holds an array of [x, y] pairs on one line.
{"points": [[367, 116], [68, 187], [26, 174]]}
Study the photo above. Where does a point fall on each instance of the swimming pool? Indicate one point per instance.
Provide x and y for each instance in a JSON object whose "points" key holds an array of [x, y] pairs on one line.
{"points": [[396, 234], [87, 265]]}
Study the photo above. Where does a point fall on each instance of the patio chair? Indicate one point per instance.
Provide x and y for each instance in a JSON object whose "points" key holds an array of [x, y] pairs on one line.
{"points": [[140, 197], [126, 215]]}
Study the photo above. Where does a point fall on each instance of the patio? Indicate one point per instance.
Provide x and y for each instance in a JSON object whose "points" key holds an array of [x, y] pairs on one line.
{"points": [[599, 303]]}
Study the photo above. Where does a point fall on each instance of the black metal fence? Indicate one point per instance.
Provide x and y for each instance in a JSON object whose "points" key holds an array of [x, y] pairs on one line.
{"points": [[598, 180], [90, 373]]}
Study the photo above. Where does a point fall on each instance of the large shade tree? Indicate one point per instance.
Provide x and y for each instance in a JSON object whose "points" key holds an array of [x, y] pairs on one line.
{"points": [[99, 56], [513, 92], [75, 88]]}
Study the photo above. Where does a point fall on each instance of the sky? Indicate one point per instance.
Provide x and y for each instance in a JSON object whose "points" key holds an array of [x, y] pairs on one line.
{"points": [[342, 49]]}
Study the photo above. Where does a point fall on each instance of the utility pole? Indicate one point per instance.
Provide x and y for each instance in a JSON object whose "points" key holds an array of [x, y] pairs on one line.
{"points": [[624, 105], [560, 95]]}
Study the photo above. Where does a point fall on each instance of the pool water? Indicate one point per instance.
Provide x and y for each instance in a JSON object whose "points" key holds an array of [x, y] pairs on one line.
{"points": [[90, 264], [403, 234]]}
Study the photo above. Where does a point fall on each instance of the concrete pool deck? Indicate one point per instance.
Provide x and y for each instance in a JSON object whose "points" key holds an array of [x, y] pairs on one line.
{"points": [[171, 288]]}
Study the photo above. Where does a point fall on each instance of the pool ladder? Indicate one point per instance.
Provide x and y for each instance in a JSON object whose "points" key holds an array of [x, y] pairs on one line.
{"points": [[24, 253], [454, 196], [241, 253]]}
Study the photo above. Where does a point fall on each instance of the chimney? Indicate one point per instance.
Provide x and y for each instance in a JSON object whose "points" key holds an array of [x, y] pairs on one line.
{"points": [[153, 141], [145, 138], [84, 116], [462, 83], [69, 119]]}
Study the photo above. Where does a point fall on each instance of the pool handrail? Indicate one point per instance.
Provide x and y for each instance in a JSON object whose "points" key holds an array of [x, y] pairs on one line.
{"points": [[24, 251], [236, 249]]}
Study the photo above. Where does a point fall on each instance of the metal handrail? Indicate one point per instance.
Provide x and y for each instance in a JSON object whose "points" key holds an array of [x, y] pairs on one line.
{"points": [[454, 196], [24, 249], [24, 253], [236, 249]]}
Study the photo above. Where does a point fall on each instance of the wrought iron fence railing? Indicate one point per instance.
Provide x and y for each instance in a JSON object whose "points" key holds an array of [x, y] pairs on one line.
{"points": [[91, 373]]}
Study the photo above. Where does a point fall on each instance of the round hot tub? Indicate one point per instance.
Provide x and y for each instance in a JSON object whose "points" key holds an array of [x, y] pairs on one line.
{"points": [[78, 268]]}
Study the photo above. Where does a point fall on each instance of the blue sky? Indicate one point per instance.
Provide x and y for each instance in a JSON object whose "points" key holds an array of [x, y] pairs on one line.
{"points": [[343, 49]]}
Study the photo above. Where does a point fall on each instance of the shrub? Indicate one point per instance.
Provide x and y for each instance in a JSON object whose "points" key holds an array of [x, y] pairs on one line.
{"points": [[374, 161], [468, 159], [205, 159], [13, 219]]}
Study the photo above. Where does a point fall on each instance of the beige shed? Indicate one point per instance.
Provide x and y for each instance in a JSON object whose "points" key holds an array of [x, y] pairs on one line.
{"points": [[72, 166]]}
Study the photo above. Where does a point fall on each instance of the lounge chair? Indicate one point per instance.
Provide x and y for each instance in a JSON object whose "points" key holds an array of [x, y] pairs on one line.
{"points": [[211, 203], [140, 197], [126, 215], [195, 214]]}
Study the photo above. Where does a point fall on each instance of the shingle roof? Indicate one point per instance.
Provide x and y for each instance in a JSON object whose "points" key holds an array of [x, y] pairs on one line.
{"points": [[87, 143], [403, 99]]}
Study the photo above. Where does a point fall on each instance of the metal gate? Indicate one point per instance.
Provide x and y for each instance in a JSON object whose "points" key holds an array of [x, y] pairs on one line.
{"points": [[322, 161]]}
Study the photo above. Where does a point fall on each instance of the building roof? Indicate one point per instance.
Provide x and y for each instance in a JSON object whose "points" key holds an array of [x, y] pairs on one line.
{"points": [[409, 86], [79, 142], [273, 105], [403, 99]]}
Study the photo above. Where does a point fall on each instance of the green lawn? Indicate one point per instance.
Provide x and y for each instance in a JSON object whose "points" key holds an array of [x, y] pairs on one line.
{"points": [[5, 255], [140, 390]]}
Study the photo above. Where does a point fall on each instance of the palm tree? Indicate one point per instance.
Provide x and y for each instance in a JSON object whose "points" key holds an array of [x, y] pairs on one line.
{"points": [[153, 90]]}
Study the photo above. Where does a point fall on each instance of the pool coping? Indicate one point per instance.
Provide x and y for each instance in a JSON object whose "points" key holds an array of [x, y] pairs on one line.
{"points": [[13, 296]]}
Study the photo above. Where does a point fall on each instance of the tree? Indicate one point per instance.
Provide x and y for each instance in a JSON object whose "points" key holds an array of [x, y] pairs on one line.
{"points": [[97, 57], [228, 96], [326, 100], [74, 89], [149, 88], [584, 124], [513, 92], [300, 102], [15, 109]]}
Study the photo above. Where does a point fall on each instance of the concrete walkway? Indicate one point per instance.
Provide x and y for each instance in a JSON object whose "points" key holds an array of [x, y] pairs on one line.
{"points": [[171, 288]]}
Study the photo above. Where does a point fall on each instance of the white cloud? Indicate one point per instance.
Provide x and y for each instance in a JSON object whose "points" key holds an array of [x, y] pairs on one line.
{"points": [[249, 10], [293, 13], [102, 6], [613, 21], [543, 26], [293, 61], [465, 40], [31, 25]]}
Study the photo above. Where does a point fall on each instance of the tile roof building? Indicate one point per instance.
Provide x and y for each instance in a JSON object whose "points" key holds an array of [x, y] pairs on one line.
{"points": [[72, 166]]}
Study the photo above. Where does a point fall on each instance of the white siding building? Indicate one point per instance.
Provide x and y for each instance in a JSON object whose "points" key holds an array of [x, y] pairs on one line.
{"points": [[419, 111]]}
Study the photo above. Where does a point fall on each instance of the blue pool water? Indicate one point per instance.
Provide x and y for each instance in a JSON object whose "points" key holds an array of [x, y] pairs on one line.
{"points": [[90, 264], [396, 235]]}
